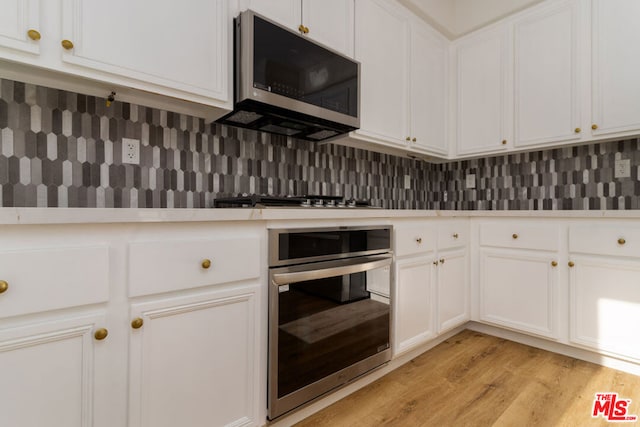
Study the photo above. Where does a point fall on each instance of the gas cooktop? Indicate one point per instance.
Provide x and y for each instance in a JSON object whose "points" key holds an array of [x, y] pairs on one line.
{"points": [[310, 201]]}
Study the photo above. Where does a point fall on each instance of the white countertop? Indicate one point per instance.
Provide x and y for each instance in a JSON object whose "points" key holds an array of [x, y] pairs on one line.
{"points": [[9, 216]]}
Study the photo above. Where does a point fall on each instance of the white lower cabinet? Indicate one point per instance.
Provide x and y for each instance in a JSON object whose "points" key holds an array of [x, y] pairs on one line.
{"points": [[414, 296], [52, 372], [452, 289], [517, 290], [605, 305], [194, 360]]}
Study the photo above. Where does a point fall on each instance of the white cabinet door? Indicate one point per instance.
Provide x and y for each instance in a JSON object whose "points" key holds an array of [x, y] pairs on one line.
{"points": [[453, 289], [194, 361], [381, 47], [547, 75], [413, 311], [605, 305], [17, 18], [48, 373], [428, 90], [484, 99], [518, 290], [284, 12], [616, 60], [183, 50], [331, 23]]}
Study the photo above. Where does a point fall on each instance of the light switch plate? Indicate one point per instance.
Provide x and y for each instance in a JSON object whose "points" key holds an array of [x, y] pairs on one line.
{"points": [[471, 181], [407, 182], [622, 168], [131, 151]]}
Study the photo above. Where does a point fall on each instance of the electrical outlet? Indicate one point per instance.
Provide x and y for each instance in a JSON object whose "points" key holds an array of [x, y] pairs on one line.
{"points": [[407, 182], [471, 181], [131, 151], [622, 169]]}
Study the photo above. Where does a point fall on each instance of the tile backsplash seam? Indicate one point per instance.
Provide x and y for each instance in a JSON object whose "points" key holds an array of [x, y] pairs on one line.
{"points": [[64, 149]]}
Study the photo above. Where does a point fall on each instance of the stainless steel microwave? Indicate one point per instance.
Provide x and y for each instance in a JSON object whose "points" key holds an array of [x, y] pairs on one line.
{"points": [[289, 85]]}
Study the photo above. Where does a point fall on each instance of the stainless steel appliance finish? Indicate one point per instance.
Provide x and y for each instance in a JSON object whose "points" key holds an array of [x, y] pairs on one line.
{"points": [[287, 84], [329, 310], [308, 201]]}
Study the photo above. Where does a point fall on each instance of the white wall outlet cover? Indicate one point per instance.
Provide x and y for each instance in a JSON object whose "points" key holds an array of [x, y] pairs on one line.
{"points": [[131, 151], [622, 168], [407, 182], [471, 181]]}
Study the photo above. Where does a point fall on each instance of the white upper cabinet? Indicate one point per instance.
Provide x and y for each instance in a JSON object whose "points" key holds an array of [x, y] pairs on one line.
{"points": [[382, 48], [183, 50], [615, 62], [484, 97], [547, 75], [428, 89], [20, 25], [329, 22]]}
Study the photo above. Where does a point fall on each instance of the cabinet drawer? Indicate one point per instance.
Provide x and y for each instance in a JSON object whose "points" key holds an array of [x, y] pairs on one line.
{"points": [[620, 240], [414, 239], [453, 234], [520, 235], [165, 266], [53, 278]]}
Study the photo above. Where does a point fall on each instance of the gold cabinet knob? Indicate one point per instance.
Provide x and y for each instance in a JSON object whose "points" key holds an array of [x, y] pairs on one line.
{"points": [[594, 126], [577, 130], [414, 139], [419, 240], [435, 262], [137, 323], [455, 235], [570, 264], [554, 263], [306, 30], [67, 44], [34, 35], [621, 241], [4, 285], [441, 260], [408, 138], [504, 142], [301, 28], [101, 334], [206, 263], [514, 235]]}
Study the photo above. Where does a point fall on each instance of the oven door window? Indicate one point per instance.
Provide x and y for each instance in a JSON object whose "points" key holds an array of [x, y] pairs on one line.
{"points": [[328, 324]]}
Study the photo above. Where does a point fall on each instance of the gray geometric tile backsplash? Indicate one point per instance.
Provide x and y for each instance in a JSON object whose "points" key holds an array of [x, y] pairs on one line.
{"points": [[63, 149]]}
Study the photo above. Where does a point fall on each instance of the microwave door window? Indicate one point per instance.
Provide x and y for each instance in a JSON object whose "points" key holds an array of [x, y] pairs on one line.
{"points": [[289, 65]]}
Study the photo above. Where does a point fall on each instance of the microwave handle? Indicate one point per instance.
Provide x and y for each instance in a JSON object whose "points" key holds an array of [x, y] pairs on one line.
{"points": [[303, 276]]}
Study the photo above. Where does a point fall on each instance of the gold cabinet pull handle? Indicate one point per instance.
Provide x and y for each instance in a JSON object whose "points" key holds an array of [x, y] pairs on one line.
{"points": [[571, 264], [206, 263], [67, 44], [4, 286], [577, 130], [101, 334], [419, 240], [594, 126], [455, 235], [34, 35], [441, 260], [137, 323], [621, 241], [554, 263], [504, 142], [514, 235]]}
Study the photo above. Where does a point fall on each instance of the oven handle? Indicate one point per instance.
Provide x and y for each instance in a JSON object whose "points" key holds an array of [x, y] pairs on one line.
{"points": [[303, 276]]}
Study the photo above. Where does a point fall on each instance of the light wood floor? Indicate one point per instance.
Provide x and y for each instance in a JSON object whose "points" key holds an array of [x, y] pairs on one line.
{"points": [[474, 379]]}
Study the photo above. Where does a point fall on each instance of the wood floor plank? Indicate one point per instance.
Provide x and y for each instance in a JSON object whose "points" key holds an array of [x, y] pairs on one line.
{"points": [[473, 379]]}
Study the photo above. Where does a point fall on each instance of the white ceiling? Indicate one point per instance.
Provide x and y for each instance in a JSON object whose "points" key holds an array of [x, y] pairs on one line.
{"points": [[458, 17]]}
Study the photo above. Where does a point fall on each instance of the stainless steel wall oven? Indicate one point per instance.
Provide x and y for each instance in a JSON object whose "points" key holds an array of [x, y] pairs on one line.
{"points": [[329, 310]]}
